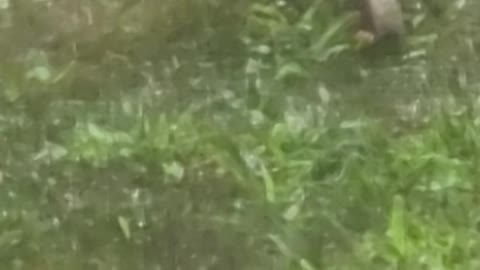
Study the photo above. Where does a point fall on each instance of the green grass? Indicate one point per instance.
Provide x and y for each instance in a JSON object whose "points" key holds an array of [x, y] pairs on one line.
{"points": [[286, 149], [308, 189]]}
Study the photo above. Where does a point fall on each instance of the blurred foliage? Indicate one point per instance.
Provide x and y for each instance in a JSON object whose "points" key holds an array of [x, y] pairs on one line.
{"points": [[249, 135]]}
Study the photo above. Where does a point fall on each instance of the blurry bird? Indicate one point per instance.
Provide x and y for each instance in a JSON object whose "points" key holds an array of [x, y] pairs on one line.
{"points": [[379, 20]]}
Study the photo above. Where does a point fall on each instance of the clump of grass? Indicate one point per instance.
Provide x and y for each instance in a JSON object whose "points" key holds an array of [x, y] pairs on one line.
{"points": [[306, 190]]}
